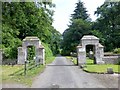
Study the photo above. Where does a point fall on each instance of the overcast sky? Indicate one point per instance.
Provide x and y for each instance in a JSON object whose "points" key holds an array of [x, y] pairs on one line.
{"points": [[64, 9]]}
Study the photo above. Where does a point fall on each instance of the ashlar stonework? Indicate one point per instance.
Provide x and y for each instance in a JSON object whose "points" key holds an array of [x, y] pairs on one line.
{"points": [[98, 49], [39, 50]]}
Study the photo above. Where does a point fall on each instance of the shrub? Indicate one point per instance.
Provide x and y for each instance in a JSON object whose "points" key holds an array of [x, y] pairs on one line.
{"points": [[48, 52], [116, 50]]}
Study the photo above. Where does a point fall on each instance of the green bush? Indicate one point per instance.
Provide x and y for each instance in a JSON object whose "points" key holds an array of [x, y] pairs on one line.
{"points": [[31, 52], [119, 63], [10, 51], [116, 50], [48, 52]]}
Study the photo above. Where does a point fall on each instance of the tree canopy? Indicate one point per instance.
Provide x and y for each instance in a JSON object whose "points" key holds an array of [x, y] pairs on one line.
{"points": [[107, 25], [79, 26], [21, 19]]}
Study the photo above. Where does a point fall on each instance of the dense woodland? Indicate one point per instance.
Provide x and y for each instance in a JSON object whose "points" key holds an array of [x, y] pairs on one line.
{"points": [[21, 19], [106, 27]]}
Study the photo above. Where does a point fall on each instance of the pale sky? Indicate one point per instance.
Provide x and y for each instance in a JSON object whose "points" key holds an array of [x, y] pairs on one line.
{"points": [[64, 9]]}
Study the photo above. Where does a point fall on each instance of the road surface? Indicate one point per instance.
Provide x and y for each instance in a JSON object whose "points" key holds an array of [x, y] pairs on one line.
{"points": [[63, 74]]}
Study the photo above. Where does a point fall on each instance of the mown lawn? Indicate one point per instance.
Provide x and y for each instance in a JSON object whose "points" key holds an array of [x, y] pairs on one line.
{"points": [[101, 68], [16, 73], [95, 68]]}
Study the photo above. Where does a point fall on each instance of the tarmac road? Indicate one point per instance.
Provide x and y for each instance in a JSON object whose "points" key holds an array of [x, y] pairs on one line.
{"points": [[63, 74]]}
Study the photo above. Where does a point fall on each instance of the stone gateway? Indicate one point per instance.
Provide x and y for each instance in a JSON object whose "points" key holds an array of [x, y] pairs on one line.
{"points": [[98, 49], [39, 50]]}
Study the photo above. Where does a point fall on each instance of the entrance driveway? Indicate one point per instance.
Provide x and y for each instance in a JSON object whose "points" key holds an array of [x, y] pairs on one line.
{"points": [[63, 74]]}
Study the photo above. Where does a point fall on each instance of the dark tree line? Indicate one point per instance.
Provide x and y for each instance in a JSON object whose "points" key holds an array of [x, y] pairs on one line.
{"points": [[106, 27], [79, 25], [21, 19]]}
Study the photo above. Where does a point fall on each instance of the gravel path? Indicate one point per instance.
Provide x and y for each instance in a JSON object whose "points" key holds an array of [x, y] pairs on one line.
{"points": [[63, 74]]}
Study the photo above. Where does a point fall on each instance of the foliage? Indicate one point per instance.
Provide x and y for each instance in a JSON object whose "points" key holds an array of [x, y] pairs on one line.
{"points": [[106, 27], [98, 34], [116, 50], [50, 59], [21, 19], [108, 24], [30, 52], [48, 51], [80, 25], [80, 11], [55, 41]]}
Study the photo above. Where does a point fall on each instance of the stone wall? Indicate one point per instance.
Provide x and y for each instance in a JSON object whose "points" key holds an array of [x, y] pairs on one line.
{"points": [[9, 62], [111, 59]]}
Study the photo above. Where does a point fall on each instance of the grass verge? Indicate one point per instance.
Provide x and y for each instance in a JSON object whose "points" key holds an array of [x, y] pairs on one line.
{"points": [[73, 59], [96, 68], [49, 60], [101, 68], [9, 77]]}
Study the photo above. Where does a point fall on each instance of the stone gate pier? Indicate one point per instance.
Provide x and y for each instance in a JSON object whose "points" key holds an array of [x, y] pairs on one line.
{"points": [[98, 49], [39, 50]]}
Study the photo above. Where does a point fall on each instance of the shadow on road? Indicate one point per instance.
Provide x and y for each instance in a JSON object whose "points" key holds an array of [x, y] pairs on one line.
{"points": [[58, 55], [61, 65]]}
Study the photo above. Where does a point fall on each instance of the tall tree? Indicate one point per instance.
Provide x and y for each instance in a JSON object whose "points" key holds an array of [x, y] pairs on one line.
{"points": [[108, 24], [80, 11], [79, 26], [21, 19]]}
